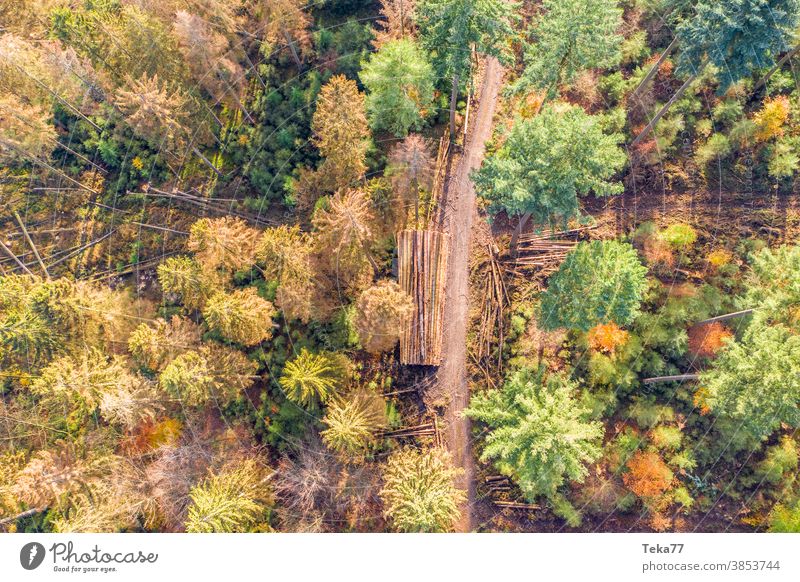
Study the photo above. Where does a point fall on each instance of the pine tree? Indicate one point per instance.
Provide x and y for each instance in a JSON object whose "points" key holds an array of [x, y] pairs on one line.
{"points": [[153, 346], [154, 111], [399, 82], [756, 381], [344, 233], [284, 252], [577, 298], [448, 30], [184, 277], [234, 500], [223, 243], [310, 378], [736, 36], [546, 163], [80, 379], [398, 20], [286, 21], [40, 318], [381, 312], [210, 373], [571, 36], [210, 58], [341, 132], [773, 288], [539, 435], [419, 492], [411, 167], [352, 423], [131, 402], [241, 316], [25, 131]]}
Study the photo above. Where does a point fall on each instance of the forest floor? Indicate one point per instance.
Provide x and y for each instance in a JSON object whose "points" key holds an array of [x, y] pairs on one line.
{"points": [[458, 221]]}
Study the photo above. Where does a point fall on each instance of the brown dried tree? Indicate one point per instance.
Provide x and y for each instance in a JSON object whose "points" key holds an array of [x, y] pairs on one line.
{"points": [[411, 166]]}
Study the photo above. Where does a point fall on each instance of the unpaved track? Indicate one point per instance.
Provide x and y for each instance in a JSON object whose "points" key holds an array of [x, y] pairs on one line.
{"points": [[458, 219]]}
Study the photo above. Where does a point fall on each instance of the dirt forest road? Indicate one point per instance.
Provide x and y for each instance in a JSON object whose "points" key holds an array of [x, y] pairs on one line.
{"points": [[460, 211]]}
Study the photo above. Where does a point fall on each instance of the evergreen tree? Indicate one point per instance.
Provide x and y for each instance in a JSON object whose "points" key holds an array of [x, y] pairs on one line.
{"points": [[82, 378], [773, 288], [184, 276], [411, 166], [241, 316], [286, 21], [154, 346], [210, 58], [154, 111], [284, 252], [419, 491], [756, 381], [736, 36], [341, 132], [450, 28], [310, 378], [599, 282], [210, 373], [398, 21], [233, 500], [352, 423], [399, 82], [223, 243], [546, 162], [539, 435], [343, 234], [570, 36]]}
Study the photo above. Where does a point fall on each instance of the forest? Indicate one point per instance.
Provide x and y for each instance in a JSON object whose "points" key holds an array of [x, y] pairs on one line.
{"points": [[399, 266]]}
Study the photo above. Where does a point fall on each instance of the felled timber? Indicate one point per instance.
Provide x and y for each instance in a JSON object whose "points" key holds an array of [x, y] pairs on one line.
{"points": [[422, 270]]}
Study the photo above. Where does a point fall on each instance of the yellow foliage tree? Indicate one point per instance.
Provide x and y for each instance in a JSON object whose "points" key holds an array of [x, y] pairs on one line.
{"points": [[771, 118]]}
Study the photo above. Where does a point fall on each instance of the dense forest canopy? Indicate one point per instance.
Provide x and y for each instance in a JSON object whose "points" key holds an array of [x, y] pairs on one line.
{"points": [[203, 307]]}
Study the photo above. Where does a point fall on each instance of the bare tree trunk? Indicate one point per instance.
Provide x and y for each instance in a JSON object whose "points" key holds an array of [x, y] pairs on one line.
{"points": [[646, 131], [22, 515], [523, 220], [678, 378], [30, 243], [654, 69], [453, 99], [15, 257], [726, 316], [206, 160], [293, 49], [776, 68]]}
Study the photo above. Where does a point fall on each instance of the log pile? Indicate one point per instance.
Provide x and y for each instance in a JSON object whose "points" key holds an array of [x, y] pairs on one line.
{"points": [[422, 270], [544, 252], [495, 302]]}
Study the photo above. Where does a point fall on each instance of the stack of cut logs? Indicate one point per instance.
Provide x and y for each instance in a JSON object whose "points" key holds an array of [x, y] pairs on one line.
{"points": [[422, 269]]}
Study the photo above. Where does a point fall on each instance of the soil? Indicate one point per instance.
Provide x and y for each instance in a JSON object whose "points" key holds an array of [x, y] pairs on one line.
{"points": [[458, 220]]}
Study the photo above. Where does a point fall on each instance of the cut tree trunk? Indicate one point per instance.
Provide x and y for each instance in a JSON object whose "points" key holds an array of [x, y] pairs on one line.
{"points": [[654, 69], [207, 162], [763, 81], [646, 131], [293, 49], [30, 243], [523, 220], [24, 514], [678, 378], [453, 101], [726, 316]]}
